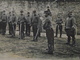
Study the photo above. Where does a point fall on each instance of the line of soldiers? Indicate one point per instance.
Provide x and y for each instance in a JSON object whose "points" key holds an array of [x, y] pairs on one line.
{"points": [[26, 22]]}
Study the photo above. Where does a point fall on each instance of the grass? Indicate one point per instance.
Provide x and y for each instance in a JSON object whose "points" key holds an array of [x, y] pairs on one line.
{"points": [[29, 49]]}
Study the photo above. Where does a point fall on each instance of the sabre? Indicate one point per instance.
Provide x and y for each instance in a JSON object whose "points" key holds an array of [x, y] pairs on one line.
{"points": [[13, 29], [20, 31]]}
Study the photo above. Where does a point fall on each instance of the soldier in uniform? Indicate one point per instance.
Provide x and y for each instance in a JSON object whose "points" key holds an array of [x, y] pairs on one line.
{"points": [[21, 20], [59, 26], [49, 32], [28, 24], [48, 11], [13, 24], [40, 25], [9, 23], [70, 25], [4, 22], [35, 25]]}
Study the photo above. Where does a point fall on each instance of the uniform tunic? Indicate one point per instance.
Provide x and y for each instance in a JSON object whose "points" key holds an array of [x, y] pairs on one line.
{"points": [[21, 21], [35, 26], [4, 23], [13, 24], [59, 26], [70, 25], [28, 25]]}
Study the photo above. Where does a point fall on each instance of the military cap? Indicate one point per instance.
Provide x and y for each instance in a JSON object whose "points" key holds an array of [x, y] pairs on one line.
{"points": [[3, 10], [28, 12], [47, 6], [34, 11], [45, 12], [21, 11]]}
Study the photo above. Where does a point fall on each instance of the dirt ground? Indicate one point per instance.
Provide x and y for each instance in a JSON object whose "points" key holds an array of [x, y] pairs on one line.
{"points": [[16, 49]]}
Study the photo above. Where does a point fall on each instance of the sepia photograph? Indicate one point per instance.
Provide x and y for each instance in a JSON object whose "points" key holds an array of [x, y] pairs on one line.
{"points": [[39, 29]]}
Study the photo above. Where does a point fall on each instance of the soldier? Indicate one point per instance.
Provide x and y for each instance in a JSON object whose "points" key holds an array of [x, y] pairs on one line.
{"points": [[49, 32], [28, 24], [35, 25], [59, 26], [70, 25], [48, 11], [13, 24], [40, 25], [4, 22], [21, 20], [9, 23]]}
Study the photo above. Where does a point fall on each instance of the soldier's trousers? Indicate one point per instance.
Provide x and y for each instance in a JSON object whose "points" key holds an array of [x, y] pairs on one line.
{"points": [[9, 25], [13, 28], [59, 27], [34, 28], [39, 33], [21, 30], [28, 29], [0, 26], [70, 34], [50, 38], [3, 28]]}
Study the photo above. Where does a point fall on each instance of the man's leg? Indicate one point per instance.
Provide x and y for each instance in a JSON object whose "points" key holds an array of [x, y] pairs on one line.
{"points": [[14, 29], [73, 40], [34, 32], [4, 28], [50, 37], [9, 28], [56, 31], [39, 34], [60, 28], [0, 27], [68, 40], [22, 29], [29, 30], [26, 29]]}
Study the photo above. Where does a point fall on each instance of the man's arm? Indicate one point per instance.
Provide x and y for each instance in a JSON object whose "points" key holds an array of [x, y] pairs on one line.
{"points": [[73, 23]]}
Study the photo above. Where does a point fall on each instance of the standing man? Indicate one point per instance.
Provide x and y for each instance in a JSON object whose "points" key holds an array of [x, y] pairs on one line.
{"points": [[4, 22], [21, 20], [40, 25], [59, 26], [9, 23], [28, 24], [49, 32], [70, 25], [13, 24], [35, 25]]}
